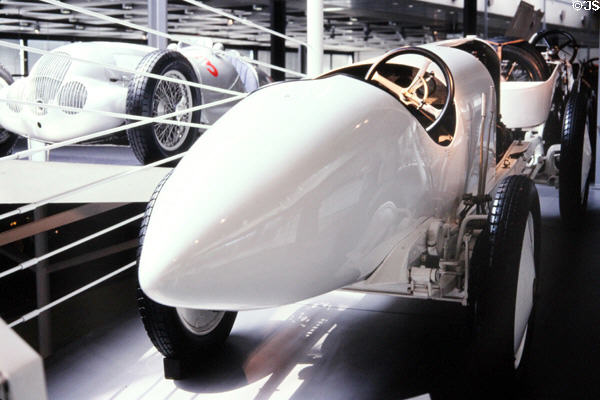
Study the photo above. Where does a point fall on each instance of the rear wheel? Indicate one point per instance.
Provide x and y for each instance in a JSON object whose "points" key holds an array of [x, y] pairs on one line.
{"points": [[7, 139], [150, 97], [180, 333], [520, 64], [503, 294], [576, 156]]}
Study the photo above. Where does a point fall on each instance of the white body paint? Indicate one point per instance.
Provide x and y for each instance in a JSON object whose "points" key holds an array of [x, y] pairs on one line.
{"points": [[305, 187], [526, 104], [104, 89]]}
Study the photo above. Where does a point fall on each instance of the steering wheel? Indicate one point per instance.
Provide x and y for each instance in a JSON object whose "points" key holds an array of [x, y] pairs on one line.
{"points": [[560, 45], [416, 93]]}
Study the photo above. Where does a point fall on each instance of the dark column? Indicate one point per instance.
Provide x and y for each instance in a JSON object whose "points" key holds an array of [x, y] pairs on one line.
{"points": [[470, 17], [278, 44], [302, 58]]}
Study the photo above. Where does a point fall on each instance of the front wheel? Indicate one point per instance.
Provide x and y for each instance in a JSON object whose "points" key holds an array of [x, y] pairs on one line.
{"points": [[576, 156], [180, 333], [149, 97], [505, 283], [184, 333]]}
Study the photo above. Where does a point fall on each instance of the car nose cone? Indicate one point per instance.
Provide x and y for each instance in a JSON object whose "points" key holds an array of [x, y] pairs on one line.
{"points": [[270, 207]]}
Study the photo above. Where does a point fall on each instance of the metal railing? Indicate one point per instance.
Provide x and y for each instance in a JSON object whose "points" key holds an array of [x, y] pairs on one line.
{"points": [[133, 121]]}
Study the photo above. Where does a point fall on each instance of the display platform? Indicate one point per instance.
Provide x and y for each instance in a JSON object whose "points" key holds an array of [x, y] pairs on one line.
{"points": [[26, 181], [347, 345]]}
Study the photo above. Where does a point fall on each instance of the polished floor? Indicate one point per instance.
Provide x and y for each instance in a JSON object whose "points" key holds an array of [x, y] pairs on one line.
{"points": [[346, 345]]}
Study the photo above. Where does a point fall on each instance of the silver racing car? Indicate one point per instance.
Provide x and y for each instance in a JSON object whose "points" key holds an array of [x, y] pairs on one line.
{"points": [[62, 78]]}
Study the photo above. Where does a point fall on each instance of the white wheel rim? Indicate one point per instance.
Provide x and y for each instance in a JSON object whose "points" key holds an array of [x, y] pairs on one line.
{"points": [[586, 160], [524, 297], [199, 322], [170, 97]]}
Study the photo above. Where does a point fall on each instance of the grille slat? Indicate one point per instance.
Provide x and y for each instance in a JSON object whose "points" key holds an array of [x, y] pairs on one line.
{"points": [[46, 78], [72, 94]]}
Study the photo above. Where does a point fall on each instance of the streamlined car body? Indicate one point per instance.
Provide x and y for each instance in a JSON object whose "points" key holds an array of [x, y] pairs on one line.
{"points": [[331, 189], [386, 176]]}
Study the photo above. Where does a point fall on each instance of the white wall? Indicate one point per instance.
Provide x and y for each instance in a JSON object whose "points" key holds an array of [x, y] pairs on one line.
{"points": [[572, 18], [9, 58]]}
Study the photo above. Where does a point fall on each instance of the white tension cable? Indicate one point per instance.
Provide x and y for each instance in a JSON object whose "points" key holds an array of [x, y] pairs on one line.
{"points": [[35, 260], [120, 69], [244, 21], [56, 302], [155, 32], [39, 203], [106, 113], [106, 132]]}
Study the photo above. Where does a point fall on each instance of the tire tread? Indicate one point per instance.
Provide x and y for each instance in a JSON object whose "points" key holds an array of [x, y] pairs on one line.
{"points": [[572, 206], [139, 102], [162, 323]]}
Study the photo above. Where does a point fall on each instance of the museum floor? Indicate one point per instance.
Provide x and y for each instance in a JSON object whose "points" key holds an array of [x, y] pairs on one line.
{"points": [[346, 345]]}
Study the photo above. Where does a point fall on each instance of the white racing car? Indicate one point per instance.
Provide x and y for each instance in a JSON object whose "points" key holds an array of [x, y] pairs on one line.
{"points": [[62, 79], [379, 177]]}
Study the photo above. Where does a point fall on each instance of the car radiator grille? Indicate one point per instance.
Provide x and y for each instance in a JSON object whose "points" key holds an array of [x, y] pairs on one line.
{"points": [[72, 94], [46, 78]]}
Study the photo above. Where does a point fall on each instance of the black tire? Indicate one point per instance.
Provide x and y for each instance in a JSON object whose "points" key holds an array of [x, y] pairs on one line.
{"points": [[514, 219], [553, 126], [521, 62], [142, 100], [572, 191], [7, 139], [163, 324]]}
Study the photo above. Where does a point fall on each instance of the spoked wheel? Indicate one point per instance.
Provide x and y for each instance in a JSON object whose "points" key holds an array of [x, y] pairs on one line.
{"points": [[504, 284], [520, 64], [576, 155], [181, 333], [556, 44], [150, 97], [7, 139]]}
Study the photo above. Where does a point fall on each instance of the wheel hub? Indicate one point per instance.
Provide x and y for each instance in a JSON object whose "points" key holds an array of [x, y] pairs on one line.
{"points": [[172, 97], [199, 322], [524, 295]]}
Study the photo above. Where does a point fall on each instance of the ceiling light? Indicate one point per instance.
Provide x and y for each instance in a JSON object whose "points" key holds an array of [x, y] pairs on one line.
{"points": [[127, 6], [65, 11], [333, 9], [229, 22]]}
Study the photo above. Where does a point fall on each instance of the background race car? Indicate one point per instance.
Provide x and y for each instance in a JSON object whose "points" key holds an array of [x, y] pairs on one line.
{"points": [[63, 79]]}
